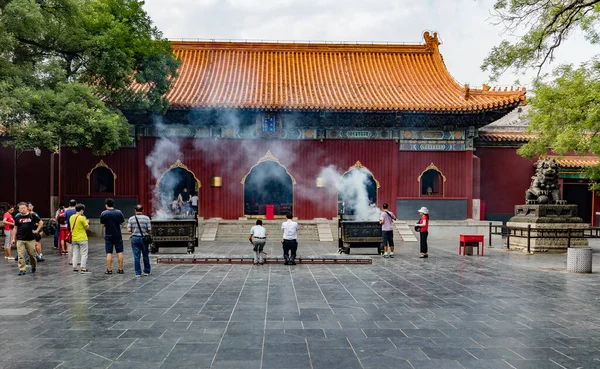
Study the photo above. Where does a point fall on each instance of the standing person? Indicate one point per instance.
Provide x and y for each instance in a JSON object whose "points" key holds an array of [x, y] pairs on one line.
{"points": [[184, 201], [386, 219], [79, 226], [139, 226], [258, 238], [63, 230], [290, 243], [70, 211], [27, 226], [111, 219], [61, 208], [194, 201], [38, 236], [9, 225], [424, 230]]}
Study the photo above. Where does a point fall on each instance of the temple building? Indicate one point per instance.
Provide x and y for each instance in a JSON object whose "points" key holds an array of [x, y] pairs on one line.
{"points": [[253, 127]]}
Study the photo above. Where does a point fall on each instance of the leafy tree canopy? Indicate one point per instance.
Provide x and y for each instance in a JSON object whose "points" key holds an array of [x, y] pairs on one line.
{"points": [[66, 68], [565, 114]]}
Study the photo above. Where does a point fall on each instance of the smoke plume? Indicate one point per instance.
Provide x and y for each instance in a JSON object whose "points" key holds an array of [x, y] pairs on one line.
{"points": [[353, 191]]}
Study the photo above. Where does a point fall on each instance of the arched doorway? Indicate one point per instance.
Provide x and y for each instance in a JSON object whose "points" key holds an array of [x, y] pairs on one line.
{"points": [[173, 182], [357, 191], [101, 180], [268, 183], [432, 182]]}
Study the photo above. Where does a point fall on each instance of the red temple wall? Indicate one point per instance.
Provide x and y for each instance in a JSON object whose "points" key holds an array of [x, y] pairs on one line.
{"points": [[76, 166], [33, 178], [505, 176], [396, 171]]}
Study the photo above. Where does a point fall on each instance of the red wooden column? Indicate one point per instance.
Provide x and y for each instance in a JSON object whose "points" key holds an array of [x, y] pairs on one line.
{"points": [[141, 174], [469, 182]]}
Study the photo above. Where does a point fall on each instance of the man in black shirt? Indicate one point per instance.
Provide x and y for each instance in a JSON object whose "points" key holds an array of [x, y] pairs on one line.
{"points": [[27, 226], [111, 219]]}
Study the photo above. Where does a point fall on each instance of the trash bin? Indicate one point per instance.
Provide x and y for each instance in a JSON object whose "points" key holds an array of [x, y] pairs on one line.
{"points": [[579, 260], [270, 212]]}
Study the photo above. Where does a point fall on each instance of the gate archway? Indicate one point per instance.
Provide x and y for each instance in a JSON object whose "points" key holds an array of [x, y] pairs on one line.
{"points": [[268, 183], [352, 196], [173, 181]]}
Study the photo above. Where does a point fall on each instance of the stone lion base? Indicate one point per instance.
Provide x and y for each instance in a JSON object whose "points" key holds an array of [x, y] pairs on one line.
{"points": [[553, 245]]}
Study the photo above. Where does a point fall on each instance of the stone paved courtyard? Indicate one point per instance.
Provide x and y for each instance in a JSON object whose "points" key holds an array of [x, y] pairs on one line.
{"points": [[504, 310]]}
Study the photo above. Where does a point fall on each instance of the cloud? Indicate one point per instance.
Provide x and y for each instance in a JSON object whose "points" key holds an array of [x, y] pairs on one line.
{"points": [[464, 26]]}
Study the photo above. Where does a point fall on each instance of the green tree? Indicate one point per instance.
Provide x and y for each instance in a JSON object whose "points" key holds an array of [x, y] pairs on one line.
{"points": [[68, 68], [565, 114]]}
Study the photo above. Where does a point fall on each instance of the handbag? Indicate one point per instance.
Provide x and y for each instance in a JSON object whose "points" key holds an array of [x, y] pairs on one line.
{"points": [[418, 228], [146, 238], [69, 238]]}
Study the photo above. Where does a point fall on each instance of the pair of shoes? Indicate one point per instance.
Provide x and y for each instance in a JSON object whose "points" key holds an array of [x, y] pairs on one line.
{"points": [[287, 262], [292, 262], [391, 255], [9, 257], [21, 272], [85, 271], [41, 260], [423, 256], [108, 271], [120, 271], [145, 274], [32, 270], [262, 263], [386, 256]]}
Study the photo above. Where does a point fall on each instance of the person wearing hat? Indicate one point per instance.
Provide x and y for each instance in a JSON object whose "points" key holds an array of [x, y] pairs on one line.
{"points": [[423, 230]]}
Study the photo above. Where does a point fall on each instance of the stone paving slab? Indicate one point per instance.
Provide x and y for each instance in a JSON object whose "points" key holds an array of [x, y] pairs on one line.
{"points": [[502, 310]]}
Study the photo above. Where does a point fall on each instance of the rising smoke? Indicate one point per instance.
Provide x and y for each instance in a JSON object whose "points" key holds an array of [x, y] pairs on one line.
{"points": [[165, 152], [352, 189]]}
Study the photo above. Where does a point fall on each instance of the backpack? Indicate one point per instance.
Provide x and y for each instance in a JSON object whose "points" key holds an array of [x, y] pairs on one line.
{"points": [[61, 219]]}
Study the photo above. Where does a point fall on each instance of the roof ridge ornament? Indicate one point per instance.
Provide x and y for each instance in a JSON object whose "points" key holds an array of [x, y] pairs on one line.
{"points": [[431, 42]]}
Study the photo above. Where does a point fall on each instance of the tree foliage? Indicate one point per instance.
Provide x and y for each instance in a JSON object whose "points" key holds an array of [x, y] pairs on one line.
{"points": [[546, 25], [565, 113], [67, 67]]}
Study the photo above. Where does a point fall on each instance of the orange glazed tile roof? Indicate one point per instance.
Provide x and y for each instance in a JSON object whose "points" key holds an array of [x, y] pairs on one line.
{"points": [[576, 161], [339, 77]]}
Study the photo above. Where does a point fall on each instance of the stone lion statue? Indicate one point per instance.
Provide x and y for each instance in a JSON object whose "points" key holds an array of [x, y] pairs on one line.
{"points": [[545, 188]]}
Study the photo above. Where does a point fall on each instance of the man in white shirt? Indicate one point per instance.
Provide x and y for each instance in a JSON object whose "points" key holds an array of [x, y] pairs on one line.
{"points": [[290, 244], [258, 238]]}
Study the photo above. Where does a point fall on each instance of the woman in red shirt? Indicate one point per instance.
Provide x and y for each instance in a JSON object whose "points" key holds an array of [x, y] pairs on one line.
{"points": [[424, 231], [9, 224]]}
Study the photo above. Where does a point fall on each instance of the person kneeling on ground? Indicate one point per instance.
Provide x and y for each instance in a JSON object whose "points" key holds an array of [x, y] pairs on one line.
{"points": [[258, 238], [289, 242], [79, 225]]}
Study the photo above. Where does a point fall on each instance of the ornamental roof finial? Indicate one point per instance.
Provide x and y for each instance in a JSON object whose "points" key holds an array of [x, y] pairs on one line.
{"points": [[431, 42]]}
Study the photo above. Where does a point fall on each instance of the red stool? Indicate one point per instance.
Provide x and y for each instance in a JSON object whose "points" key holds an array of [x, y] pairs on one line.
{"points": [[470, 238]]}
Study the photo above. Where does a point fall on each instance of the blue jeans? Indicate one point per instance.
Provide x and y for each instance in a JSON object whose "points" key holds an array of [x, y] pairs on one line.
{"points": [[138, 247]]}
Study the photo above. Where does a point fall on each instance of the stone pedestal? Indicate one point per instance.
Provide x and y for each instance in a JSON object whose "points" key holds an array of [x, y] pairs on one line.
{"points": [[543, 218]]}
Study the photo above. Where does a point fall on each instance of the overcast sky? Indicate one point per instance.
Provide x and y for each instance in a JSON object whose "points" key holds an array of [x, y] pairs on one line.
{"points": [[464, 26]]}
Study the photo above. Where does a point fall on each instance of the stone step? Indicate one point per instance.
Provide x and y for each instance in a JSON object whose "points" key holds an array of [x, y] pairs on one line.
{"points": [[404, 231], [325, 234]]}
